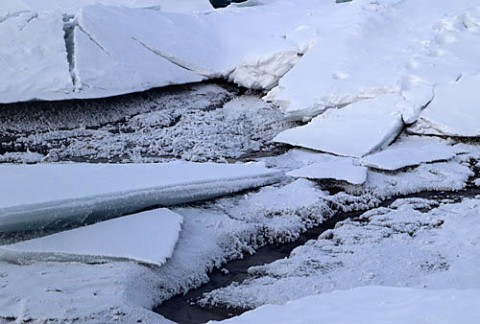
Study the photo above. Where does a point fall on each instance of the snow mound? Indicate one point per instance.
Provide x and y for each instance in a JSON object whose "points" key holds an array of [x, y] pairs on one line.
{"points": [[356, 130], [147, 237], [43, 195], [373, 304]]}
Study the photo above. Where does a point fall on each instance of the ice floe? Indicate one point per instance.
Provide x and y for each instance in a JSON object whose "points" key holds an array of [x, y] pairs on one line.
{"points": [[355, 130], [453, 111], [45, 195], [410, 151], [329, 167], [147, 237]]}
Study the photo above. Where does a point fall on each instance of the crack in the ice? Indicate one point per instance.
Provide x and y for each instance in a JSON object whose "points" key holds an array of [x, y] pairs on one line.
{"points": [[69, 25], [174, 60], [10, 15], [32, 17], [91, 38]]}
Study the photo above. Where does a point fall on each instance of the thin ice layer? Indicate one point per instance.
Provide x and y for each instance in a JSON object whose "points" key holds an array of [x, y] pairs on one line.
{"points": [[332, 167], [410, 151], [43, 195], [147, 237], [356, 130]]}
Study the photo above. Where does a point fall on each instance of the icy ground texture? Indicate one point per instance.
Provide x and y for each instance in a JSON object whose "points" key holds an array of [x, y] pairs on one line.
{"points": [[373, 304], [199, 123], [147, 237], [46, 195], [412, 243]]}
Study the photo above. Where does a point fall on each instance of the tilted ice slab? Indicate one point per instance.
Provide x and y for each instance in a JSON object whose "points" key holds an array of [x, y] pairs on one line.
{"points": [[373, 304], [454, 111], [42, 195], [410, 151], [356, 130], [325, 166], [147, 237]]}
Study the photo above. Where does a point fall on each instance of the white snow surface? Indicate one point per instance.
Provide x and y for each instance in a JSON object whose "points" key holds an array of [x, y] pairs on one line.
{"points": [[44, 194], [366, 48], [147, 237], [372, 304], [255, 45], [454, 110], [355, 130], [411, 151], [72, 6]]}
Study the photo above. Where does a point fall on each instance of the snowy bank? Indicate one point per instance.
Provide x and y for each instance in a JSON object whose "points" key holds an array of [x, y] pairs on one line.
{"points": [[373, 304]]}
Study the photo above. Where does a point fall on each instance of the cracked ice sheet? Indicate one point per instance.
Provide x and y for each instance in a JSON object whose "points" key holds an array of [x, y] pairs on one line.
{"points": [[326, 166], [356, 55], [102, 64], [147, 237], [398, 246], [355, 130], [71, 7], [453, 111], [42, 195], [373, 304], [31, 64], [411, 151], [256, 57]]}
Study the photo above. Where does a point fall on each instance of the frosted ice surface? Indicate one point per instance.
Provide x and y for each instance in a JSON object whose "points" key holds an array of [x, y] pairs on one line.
{"points": [[410, 151], [454, 110], [46, 194], [327, 166], [147, 237], [356, 130]]}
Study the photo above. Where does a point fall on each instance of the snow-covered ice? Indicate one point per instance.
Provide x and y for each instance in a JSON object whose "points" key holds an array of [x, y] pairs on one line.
{"points": [[410, 151], [147, 237], [453, 110], [324, 166], [71, 7], [31, 64], [47, 194], [373, 304], [355, 130]]}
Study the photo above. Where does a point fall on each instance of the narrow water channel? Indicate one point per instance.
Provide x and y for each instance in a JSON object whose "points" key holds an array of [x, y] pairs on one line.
{"points": [[183, 309]]}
